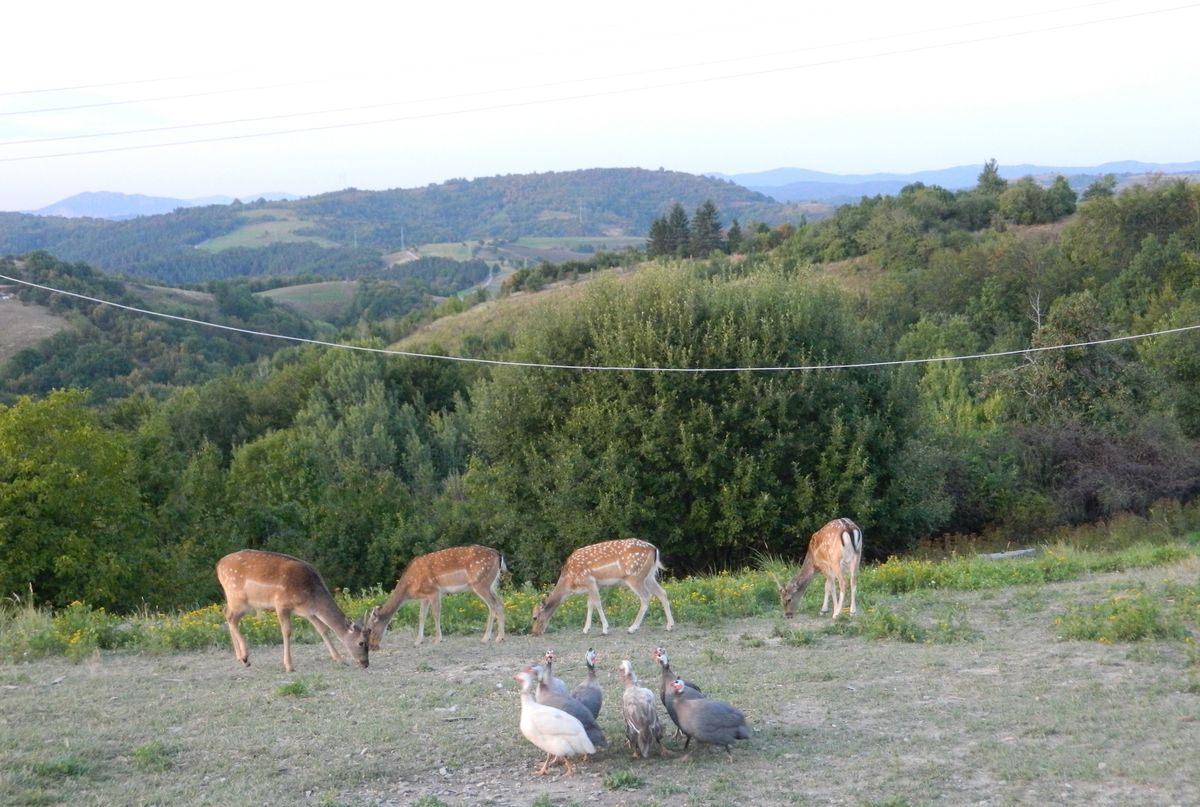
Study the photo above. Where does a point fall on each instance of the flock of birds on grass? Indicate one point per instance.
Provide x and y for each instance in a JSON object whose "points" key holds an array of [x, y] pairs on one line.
{"points": [[563, 722]]}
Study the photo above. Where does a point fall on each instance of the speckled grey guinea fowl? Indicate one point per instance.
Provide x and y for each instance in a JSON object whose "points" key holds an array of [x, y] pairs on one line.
{"points": [[709, 721], [643, 729]]}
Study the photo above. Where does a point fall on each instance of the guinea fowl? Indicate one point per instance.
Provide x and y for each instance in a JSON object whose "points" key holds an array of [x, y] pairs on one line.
{"points": [[554, 731], [588, 691], [557, 684], [667, 692], [549, 697], [707, 720], [643, 730]]}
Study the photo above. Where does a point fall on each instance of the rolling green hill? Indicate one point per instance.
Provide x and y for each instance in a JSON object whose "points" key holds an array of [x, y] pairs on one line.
{"points": [[346, 234]]}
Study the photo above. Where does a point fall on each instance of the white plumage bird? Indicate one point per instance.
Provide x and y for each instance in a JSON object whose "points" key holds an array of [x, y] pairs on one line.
{"points": [[554, 731]]}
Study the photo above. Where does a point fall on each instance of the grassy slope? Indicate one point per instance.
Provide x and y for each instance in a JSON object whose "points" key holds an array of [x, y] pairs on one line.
{"points": [[503, 315], [267, 227], [316, 300], [23, 325]]}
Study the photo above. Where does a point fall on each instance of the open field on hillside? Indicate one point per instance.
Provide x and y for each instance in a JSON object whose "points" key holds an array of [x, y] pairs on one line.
{"points": [[531, 250], [487, 320], [275, 226], [999, 709], [160, 297], [23, 325], [316, 300]]}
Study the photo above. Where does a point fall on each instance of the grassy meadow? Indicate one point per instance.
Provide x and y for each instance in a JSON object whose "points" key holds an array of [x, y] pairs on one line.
{"points": [[320, 301], [1069, 677], [265, 227], [23, 325]]}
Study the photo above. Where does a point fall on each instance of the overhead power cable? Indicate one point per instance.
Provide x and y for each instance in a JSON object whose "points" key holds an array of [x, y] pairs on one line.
{"points": [[608, 368], [598, 93]]}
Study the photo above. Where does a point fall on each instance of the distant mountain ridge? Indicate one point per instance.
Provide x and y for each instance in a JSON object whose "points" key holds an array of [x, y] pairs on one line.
{"points": [[781, 184], [804, 185], [120, 206]]}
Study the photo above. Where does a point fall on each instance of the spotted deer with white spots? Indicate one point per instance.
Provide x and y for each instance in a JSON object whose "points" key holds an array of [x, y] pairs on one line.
{"points": [[447, 571], [259, 581], [608, 563], [835, 550]]}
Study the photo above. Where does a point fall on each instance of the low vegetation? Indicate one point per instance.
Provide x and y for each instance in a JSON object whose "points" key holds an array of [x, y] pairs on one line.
{"points": [[29, 632]]}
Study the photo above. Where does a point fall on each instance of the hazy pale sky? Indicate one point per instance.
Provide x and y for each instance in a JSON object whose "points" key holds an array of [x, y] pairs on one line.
{"points": [[222, 98]]}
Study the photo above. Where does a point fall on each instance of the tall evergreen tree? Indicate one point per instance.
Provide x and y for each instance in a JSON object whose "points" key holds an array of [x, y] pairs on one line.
{"points": [[706, 230], [990, 182], [659, 242], [678, 231]]}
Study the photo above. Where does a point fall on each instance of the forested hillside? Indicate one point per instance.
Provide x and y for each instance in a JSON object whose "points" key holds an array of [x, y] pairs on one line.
{"points": [[345, 234], [358, 461]]}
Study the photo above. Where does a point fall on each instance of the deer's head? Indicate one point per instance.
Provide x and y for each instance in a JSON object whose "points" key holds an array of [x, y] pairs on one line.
{"points": [[787, 597], [541, 615], [358, 642]]}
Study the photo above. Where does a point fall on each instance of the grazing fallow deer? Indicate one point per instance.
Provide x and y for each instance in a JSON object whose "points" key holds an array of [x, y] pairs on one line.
{"points": [[833, 549], [630, 561], [260, 581], [447, 571]]}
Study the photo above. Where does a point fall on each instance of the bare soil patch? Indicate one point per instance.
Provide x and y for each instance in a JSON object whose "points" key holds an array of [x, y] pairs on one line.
{"points": [[1014, 715]]}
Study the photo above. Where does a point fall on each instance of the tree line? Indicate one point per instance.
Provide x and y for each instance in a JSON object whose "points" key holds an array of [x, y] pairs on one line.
{"points": [[360, 461]]}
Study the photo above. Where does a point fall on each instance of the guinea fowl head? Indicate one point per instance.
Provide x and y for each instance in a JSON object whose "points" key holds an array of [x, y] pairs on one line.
{"points": [[526, 677], [626, 669]]}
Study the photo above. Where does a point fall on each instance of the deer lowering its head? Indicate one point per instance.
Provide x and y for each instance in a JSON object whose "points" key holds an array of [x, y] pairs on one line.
{"points": [[447, 571], [631, 561], [258, 581], [833, 549]]}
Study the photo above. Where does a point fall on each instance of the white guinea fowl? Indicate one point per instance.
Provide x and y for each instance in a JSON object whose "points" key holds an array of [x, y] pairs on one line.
{"points": [[554, 731]]}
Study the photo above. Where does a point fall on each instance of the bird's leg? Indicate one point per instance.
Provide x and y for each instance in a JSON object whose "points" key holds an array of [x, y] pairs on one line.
{"points": [[545, 765], [570, 766]]}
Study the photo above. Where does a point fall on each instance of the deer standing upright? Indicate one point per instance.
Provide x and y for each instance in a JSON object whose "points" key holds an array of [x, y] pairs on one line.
{"points": [[256, 581], [608, 563], [447, 571], [833, 550]]}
